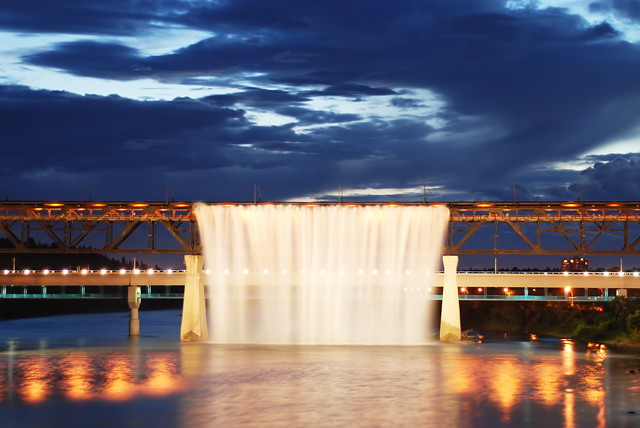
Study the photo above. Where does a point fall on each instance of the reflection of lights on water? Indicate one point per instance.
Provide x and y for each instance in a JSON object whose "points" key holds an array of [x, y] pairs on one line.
{"points": [[82, 376], [569, 410], [162, 380], [506, 382], [35, 386], [75, 370], [534, 337], [568, 361], [119, 378], [547, 381]]}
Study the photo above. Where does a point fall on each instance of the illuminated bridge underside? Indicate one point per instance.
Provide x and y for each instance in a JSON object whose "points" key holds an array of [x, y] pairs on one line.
{"points": [[562, 228], [492, 286], [467, 280]]}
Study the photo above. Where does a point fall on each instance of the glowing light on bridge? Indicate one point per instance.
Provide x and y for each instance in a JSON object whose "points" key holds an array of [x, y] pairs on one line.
{"points": [[85, 271], [606, 274], [621, 273], [6, 271], [635, 274], [149, 271], [27, 271], [103, 271], [136, 271], [567, 289], [46, 271], [122, 271], [169, 271], [586, 273], [66, 271]]}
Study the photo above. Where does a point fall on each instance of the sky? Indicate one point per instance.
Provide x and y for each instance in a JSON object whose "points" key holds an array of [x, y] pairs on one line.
{"points": [[202, 100]]}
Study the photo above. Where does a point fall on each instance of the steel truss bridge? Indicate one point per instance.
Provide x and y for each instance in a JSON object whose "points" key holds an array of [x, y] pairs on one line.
{"points": [[498, 228]]}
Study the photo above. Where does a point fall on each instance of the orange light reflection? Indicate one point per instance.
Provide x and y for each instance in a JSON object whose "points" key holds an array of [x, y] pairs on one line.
{"points": [[119, 378], [76, 372], [35, 386], [163, 378]]}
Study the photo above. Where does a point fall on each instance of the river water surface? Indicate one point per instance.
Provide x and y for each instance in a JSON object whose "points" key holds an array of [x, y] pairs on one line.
{"points": [[81, 370]]}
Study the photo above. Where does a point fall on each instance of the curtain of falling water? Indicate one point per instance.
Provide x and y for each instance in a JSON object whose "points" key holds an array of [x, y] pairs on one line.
{"points": [[320, 274]]}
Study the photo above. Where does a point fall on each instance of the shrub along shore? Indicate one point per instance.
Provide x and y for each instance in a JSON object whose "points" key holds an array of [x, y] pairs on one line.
{"points": [[616, 322]]}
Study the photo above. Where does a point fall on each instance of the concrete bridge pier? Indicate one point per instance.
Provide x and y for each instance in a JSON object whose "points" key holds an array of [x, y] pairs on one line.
{"points": [[450, 318], [194, 311], [133, 298]]}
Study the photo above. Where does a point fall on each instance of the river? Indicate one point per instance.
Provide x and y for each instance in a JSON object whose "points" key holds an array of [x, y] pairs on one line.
{"points": [[81, 370]]}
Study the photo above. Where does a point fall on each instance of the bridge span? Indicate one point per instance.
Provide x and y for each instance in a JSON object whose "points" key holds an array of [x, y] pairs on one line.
{"points": [[497, 228], [471, 285], [449, 286]]}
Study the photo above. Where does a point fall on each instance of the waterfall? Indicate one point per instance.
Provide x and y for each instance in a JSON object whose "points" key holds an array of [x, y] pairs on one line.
{"points": [[324, 274]]}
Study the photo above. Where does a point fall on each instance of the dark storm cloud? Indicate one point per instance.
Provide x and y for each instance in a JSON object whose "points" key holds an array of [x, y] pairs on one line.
{"points": [[115, 17], [67, 132], [311, 117], [256, 97], [403, 103], [615, 178], [519, 88], [355, 91]]}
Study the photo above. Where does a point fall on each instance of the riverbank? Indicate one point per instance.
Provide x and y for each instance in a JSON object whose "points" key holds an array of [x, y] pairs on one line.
{"points": [[616, 322]]}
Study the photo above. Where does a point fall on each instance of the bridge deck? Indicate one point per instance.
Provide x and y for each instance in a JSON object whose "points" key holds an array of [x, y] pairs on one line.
{"points": [[464, 279], [525, 286]]}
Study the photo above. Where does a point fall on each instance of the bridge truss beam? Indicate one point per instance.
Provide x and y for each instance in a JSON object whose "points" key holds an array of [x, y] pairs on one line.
{"points": [[500, 228]]}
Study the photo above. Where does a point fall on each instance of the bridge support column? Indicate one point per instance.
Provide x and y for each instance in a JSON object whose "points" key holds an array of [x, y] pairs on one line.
{"points": [[133, 298], [526, 292], [606, 293], [194, 312], [450, 317]]}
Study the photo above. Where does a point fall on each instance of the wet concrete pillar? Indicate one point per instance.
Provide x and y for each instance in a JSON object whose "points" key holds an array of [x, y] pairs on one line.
{"points": [[133, 298], [450, 317], [194, 312]]}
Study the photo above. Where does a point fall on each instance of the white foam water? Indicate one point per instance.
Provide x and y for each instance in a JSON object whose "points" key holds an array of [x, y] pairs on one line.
{"points": [[326, 274]]}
